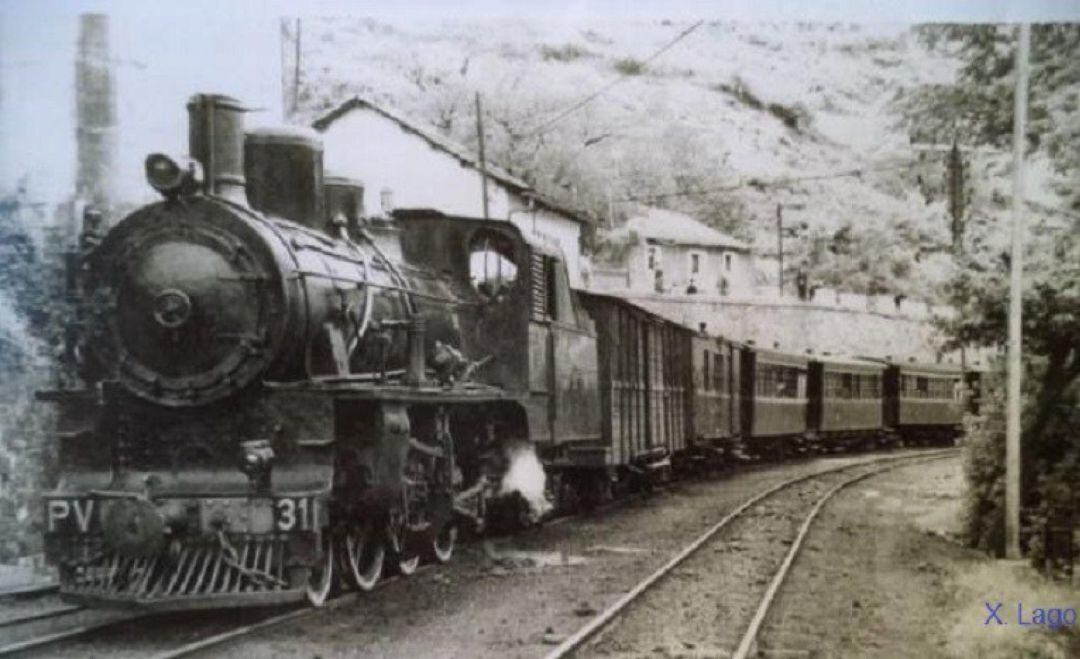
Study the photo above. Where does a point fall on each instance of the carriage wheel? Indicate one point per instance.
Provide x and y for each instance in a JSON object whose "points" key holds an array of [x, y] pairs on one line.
{"points": [[364, 556], [441, 549], [321, 577]]}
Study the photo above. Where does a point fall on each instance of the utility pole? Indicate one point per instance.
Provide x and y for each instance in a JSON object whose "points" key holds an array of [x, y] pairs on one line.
{"points": [[780, 246], [610, 209], [483, 160], [1016, 273]]}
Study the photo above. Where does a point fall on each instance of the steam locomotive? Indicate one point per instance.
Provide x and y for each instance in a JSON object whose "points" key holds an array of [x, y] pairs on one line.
{"points": [[280, 395]]}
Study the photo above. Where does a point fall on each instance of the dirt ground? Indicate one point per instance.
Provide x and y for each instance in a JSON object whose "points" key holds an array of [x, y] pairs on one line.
{"points": [[880, 577], [542, 586], [883, 576]]}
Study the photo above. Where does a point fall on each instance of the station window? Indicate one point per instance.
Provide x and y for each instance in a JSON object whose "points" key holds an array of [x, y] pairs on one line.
{"points": [[695, 263], [727, 262], [654, 258]]}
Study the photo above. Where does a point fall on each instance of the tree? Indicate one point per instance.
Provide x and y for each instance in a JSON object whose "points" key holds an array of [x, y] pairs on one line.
{"points": [[977, 109]]}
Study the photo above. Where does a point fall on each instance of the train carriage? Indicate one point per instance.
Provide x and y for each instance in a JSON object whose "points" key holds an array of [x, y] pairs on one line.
{"points": [[644, 386], [923, 402], [774, 400], [715, 420], [845, 400]]}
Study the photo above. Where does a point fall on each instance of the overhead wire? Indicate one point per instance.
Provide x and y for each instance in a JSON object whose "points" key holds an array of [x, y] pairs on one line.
{"points": [[604, 89], [754, 182]]}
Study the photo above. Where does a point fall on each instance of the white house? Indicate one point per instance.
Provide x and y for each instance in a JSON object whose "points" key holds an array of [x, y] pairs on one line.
{"points": [[402, 160], [668, 252]]}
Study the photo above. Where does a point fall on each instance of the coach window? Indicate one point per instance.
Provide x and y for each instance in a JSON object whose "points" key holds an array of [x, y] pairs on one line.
{"points": [[847, 385], [718, 373], [492, 270], [705, 381]]}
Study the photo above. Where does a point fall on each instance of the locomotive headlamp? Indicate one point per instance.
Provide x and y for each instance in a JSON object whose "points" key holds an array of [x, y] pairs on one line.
{"points": [[258, 461], [171, 176]]}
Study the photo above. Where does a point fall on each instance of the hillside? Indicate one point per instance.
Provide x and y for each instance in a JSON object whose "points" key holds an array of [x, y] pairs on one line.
{"points": [[728, 106]]}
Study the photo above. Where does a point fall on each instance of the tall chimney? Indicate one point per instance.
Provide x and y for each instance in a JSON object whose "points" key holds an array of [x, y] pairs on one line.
{"points": [[95, 108]]}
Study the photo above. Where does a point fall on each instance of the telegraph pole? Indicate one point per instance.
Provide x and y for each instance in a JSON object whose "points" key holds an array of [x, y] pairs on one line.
{"points": [[483, 161], [780, 246], [1016, 271]]}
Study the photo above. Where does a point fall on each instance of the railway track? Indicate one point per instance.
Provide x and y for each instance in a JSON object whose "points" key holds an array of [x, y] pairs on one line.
{"points": [[758, 514], [52, 639], [38, 618]]}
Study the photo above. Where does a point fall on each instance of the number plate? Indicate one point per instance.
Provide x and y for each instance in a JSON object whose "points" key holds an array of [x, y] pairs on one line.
{"points": [[295, 513], [72, 515]]}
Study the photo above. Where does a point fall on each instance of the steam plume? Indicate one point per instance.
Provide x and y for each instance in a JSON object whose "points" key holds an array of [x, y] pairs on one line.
{"points": [[525, 475]]}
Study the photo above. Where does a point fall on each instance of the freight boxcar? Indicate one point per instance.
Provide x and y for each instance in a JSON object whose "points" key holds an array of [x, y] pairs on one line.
{"points": [[645, 385]]}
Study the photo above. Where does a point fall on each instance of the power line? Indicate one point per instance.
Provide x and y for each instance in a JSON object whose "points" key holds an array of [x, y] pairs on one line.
{"points": [[603, 90], [762, 184]]}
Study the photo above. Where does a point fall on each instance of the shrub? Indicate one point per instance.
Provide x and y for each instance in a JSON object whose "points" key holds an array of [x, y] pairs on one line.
{"points": [[628, 66], [565, 53]]}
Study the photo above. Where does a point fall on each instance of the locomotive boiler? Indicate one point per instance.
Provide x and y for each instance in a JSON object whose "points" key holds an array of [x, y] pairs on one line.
{"points": [[271, 401]]}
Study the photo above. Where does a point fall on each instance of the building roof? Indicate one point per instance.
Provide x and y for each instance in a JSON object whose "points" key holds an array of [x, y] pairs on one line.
{"points": [[451, 148], [664, 226]]}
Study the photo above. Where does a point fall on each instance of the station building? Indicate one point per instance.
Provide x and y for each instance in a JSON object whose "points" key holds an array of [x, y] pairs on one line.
{"points": [[405, 165]]}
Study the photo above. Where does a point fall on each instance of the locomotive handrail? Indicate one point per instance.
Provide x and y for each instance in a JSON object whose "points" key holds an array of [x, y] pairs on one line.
{"points": [[296, 274]]}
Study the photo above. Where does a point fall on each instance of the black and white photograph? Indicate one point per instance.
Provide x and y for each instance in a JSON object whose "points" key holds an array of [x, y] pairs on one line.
{"points": [[584, 328]]}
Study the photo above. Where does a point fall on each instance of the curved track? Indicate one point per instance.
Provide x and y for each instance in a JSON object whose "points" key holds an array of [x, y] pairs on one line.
{"points": [[642, 590]]}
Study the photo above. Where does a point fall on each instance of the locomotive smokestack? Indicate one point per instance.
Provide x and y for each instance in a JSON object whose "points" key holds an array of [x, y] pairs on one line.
{"points": [[95, 108], [216, 139]]}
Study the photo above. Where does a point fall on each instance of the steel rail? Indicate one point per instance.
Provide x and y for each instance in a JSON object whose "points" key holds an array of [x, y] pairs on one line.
{"points": [[42, 615], [56, 637], [30, 590], [750, 636], [576, 640], [302, 612]]}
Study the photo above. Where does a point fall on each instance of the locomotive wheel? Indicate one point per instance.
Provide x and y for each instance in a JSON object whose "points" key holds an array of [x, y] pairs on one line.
{"points": [[365, 554], [404, 559], [321, 578], [441, 548]]}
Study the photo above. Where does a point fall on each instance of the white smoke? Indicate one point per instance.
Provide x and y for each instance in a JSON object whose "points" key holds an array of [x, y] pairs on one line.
{"points": [[525, 476]]}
